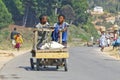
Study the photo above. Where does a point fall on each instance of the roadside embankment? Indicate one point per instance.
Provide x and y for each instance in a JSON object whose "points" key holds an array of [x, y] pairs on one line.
{"points": [[112, 52], [7, 55]]}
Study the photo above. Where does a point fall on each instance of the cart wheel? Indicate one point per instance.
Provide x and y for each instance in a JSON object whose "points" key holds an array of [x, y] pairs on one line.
{"points": [[65, 65], [57, 67], [31, 63], [37, 64]]}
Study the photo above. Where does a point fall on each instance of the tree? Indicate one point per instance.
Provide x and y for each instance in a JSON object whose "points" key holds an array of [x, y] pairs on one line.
{"points": [[26, 12], [16, 8], [69, 13], [80, 7], [5, 16], [30, 12]]}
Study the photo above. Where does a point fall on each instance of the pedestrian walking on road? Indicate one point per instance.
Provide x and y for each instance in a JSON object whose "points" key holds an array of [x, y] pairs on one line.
{"points": [[13, 33], [102, 41], [108, 39], [18, 40]]}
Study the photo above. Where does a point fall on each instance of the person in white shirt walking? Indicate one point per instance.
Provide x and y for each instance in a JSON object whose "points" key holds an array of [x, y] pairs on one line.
{"points": [[102, 41]]}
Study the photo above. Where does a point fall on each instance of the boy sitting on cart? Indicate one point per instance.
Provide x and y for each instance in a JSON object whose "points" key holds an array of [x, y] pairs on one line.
{"points": [[60, 26]]}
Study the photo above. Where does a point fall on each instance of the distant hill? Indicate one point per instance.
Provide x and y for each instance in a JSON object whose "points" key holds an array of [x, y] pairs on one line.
{"points": [[112, 6]]}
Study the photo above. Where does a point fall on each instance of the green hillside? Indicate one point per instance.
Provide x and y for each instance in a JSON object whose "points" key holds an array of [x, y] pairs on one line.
{"points": [[27, 33], [26, 13], [112, 6], [5, 42]]}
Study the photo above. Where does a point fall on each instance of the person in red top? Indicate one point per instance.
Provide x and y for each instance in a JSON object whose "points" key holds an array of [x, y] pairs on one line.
{"points": [[115, 35], [18, 40]]}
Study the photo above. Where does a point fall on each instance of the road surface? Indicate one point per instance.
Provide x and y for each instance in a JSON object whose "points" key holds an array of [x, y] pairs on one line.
{"points": [[85, 63]]}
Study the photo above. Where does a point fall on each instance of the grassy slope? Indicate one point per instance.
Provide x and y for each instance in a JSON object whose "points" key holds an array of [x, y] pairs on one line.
{"points": [[5, 42], [76, 37]]}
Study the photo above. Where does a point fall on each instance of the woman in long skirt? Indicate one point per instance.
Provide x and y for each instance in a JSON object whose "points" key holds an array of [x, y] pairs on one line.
{"points": [[102, 41]]}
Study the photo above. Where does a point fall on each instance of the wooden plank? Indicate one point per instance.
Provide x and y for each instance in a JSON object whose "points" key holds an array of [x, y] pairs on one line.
{"points": [[52, 55], [60, 37], [43, 29], [35, 39], [52, 50]]}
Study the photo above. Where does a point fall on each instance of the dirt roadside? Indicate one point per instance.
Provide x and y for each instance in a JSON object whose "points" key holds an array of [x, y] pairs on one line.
{"points": [[112, 53], [7, 55]]}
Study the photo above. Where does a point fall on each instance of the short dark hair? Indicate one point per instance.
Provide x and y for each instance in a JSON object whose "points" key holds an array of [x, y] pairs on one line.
{"points": [[61, 15], [15, 29], [41, 17]]}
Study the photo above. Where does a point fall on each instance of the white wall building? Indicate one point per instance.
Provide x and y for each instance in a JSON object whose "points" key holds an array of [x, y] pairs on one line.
{"points": [[98, 9]]}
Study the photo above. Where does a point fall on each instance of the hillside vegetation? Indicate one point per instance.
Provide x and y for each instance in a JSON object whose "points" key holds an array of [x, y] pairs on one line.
{"points": [[26, 13], [5, 42], [111, 6], [77, 36]]}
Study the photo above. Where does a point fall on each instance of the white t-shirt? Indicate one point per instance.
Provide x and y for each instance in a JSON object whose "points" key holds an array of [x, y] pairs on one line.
{"points": [[103, 40], [39, 25]]}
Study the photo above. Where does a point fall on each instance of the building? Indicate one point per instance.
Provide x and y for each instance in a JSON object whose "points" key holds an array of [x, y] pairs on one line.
{"points": [[97, 10]]}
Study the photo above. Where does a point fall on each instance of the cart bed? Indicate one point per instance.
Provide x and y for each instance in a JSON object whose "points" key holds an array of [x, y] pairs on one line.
{"points": [[52, 53]]}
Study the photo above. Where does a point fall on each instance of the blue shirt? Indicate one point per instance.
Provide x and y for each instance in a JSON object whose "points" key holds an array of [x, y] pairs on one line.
{"points": [[55, 34]]}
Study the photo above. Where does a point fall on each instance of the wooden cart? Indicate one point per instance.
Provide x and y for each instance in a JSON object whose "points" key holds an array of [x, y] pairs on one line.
{"points": [[49, 57]]}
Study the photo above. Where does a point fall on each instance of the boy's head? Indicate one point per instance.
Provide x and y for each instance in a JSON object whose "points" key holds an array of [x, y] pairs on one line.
{"points": [[18, 34], [61, 18], [102, 32], [14, 29], [43, 19]]}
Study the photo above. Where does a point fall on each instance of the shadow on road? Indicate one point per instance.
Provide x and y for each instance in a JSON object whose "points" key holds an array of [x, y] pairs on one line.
{"points": [[28, 68], [11, 76]]}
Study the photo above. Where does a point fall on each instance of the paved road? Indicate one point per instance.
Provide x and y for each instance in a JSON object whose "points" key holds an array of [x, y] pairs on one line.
{"points": [[85, 63]]}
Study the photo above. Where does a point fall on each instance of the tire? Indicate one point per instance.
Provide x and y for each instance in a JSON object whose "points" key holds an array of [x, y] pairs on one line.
{"points": [[31, 63], [37, 64], [65, 65], [57, 67]]}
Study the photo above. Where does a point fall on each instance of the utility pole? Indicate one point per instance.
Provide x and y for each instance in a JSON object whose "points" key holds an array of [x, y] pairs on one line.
{"points": [[26, 14], [56, 8], [117, 11], [117, 2]]}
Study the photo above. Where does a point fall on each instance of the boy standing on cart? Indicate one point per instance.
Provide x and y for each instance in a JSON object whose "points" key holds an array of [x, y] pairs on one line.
{"points": [[42, 35]]}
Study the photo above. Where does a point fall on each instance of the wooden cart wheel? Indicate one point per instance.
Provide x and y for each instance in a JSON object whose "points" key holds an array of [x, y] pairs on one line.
{"points": [[31, 63], [37, 64], [65, 65], [57, 67]]}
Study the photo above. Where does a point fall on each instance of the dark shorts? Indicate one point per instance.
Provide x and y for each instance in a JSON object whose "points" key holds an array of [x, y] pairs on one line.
{"points": [[64, 43], [17, 45]]}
